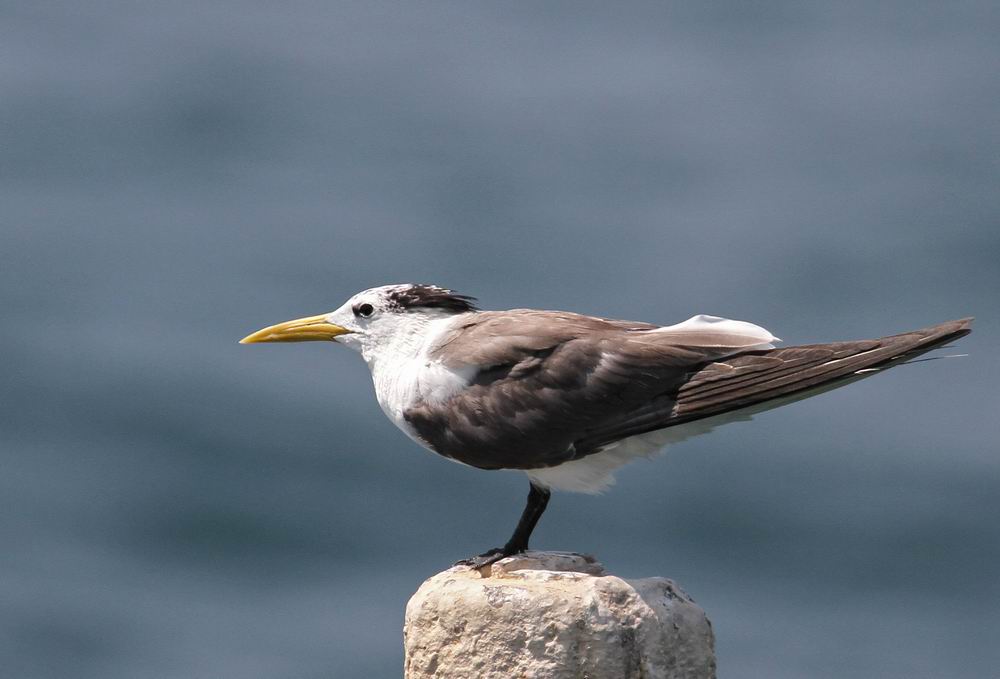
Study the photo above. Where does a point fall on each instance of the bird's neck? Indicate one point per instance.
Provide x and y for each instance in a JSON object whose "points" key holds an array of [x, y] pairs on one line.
{"points": [[400, 368], [406, 343]]}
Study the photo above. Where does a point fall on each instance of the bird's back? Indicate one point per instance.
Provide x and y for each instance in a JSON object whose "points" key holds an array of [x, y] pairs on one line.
{"points": [[545, 388]]}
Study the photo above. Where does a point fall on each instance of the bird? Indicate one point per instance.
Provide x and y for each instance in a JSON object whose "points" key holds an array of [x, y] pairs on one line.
{"points": [[568, 398]]}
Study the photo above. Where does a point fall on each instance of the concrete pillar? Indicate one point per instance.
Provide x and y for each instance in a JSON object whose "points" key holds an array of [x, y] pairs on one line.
{"points": [[554, 615]]}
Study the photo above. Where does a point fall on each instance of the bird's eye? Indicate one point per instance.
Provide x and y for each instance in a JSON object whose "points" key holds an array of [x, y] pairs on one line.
{"points": [[364, 310]]}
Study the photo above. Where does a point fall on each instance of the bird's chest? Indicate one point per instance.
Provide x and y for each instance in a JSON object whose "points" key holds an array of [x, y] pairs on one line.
{"points": [[401, 384]]}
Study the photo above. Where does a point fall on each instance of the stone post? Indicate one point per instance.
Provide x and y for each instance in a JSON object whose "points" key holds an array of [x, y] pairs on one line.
{"points": [[554, 615]]}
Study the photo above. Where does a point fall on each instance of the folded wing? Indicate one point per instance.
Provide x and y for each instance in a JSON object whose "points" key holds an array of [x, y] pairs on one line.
{"points": [[751, 379], [542, 381]]}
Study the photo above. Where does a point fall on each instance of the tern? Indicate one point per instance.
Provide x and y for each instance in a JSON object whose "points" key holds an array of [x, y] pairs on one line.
{"points": [[569, 398]]}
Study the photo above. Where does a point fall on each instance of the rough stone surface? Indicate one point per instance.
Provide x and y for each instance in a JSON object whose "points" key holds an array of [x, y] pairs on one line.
{"points": [[554, 615]]}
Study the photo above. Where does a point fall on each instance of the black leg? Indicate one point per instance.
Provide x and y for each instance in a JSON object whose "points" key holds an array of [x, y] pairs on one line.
{"points": [[538, 499]]}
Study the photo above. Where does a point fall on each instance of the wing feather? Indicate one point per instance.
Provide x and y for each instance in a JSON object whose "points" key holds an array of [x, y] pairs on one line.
{"points": [[749, 379], [542, 378], [551, 387]]}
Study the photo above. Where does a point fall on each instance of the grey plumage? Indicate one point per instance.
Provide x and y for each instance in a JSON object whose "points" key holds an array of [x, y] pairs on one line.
{"points": [[552, 387]]}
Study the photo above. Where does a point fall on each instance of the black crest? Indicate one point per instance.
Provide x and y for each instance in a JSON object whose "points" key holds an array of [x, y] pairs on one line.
{"points": [[431, 297]]}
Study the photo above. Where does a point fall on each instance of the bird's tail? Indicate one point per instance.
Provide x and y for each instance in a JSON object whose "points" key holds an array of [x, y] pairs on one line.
{"points": [[780, 375]]}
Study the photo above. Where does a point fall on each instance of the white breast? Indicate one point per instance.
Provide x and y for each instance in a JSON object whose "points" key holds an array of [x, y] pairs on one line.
{"points": [[404, 374]]}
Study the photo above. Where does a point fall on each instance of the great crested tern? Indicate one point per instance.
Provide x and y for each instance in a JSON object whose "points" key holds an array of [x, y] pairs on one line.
{"points": [[569, 398]]}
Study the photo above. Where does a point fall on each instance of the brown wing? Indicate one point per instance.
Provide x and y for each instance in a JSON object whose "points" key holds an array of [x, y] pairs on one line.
{"points": [[545, 378], [753, 378], [553, 387], [490, 338]]}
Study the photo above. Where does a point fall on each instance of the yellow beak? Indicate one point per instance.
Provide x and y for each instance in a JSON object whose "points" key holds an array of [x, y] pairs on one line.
{"points": [[311, 329]]}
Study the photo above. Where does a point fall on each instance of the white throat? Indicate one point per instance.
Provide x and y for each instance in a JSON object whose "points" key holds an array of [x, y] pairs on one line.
{"points": [[402, 371], [401, 338]]}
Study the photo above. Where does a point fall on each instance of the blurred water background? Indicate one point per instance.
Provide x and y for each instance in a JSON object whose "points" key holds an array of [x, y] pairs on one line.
{"points": [[176, 175]]}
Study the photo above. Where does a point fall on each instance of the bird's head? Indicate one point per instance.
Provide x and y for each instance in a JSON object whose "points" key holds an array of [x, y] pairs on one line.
{"points": [[373, 318]]}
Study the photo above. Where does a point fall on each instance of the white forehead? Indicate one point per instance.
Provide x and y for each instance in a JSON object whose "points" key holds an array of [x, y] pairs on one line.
{"points": [[384, 290], [410, 297], [379, 294]]}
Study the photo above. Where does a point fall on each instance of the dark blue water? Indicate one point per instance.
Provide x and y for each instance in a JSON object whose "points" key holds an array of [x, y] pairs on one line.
{"points": [[175, 175]]}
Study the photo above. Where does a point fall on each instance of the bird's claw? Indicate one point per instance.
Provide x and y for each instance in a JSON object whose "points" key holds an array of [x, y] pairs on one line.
{"points": [[487, 558]]}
